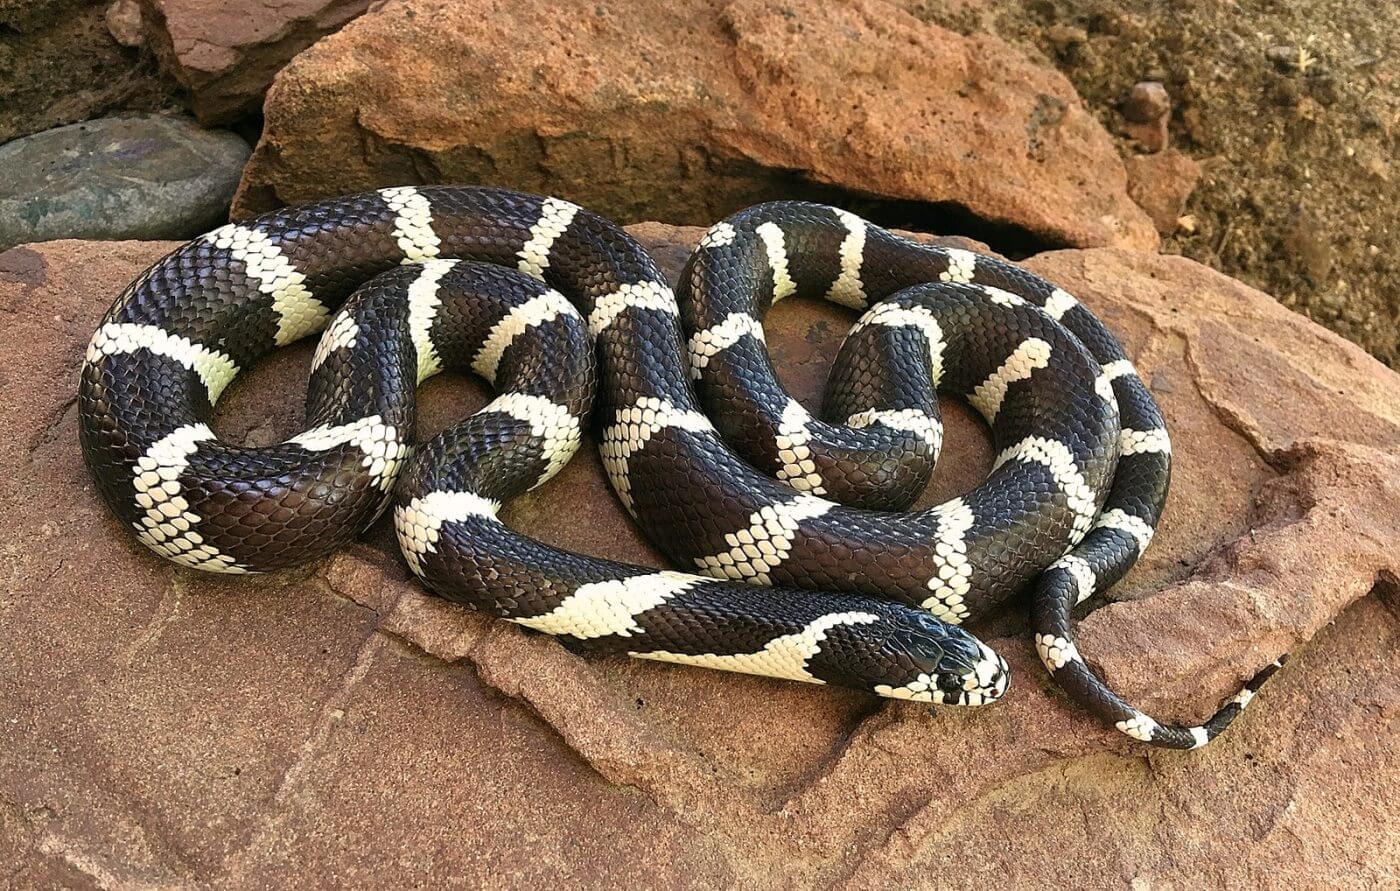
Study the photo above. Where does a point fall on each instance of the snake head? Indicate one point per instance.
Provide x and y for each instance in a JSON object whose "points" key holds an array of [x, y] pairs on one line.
{"points": [[950, 666]]}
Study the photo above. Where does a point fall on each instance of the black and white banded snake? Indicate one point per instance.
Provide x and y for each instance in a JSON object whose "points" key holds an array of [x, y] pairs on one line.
{"points": [[812, 568]]}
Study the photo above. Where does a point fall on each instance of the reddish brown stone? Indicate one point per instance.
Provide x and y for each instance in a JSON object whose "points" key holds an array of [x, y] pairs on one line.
{"points": [[1147, 103], [689, 110], [1146, 112], [1161, 184], [1151, 137], [225, 54], [337, 726]]}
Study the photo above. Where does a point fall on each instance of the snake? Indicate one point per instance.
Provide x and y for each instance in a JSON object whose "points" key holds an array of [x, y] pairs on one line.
{"points": [[798, 554]]}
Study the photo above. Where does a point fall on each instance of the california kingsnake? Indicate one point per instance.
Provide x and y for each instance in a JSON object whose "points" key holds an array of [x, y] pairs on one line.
{"points": [[514, 287]]}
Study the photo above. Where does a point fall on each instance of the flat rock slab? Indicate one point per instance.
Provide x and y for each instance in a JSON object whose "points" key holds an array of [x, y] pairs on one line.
{"points": [[686, 111], [146, 176], [336, 725]]}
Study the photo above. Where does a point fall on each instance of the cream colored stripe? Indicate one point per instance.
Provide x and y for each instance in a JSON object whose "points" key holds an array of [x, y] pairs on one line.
{"points": [[298, 312]]}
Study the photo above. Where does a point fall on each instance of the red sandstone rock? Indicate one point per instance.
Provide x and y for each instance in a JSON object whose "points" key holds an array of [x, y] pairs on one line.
{"points": [[336, 725], [1161, 184], [689, 110], [225, 54]]}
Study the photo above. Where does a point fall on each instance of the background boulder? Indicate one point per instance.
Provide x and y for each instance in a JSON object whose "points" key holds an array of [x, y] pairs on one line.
{"points": [[687, 111], [225, 54], [147, 176]]}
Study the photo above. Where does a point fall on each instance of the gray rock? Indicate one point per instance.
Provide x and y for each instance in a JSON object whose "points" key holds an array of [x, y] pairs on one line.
{"points": [[127, 177]]}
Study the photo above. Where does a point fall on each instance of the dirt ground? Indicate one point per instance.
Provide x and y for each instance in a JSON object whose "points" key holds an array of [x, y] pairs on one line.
{"points": [[1291, 108], [59, 64]]}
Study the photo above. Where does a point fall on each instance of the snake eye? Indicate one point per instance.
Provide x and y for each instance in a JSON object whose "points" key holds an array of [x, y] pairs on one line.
{"points": [[950, 682]]}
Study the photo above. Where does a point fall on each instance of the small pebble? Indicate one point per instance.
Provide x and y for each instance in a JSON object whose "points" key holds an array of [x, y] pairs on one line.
{"points": [[123, 18], [1195, 126], [1147, 103], [1308, 246]]}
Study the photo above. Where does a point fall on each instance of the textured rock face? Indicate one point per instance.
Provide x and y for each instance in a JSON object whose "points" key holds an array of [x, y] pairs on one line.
{"points": [[1161, 184], [226, 54], [146, 176], [335, 724], [687, 111]]}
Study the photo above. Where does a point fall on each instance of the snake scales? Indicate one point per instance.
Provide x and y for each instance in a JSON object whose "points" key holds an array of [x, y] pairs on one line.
{"points": [[812, 567]]}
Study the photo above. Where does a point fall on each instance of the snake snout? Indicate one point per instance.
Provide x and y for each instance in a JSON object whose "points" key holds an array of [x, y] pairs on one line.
{"points": [[985, 682]]}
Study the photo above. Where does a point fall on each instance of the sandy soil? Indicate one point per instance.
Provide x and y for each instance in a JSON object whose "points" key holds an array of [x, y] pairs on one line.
{"points": [[1291, 108], [59, 64]]}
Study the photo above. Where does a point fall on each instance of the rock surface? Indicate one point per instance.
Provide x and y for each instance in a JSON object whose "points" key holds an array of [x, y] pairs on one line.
{"points": [[128, 177], [1161, 184], [225, 54], [690, 110], [336, 725]]}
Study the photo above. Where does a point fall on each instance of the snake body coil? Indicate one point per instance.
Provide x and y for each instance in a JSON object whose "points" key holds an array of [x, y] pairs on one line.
{"points": [[810, 572]]}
